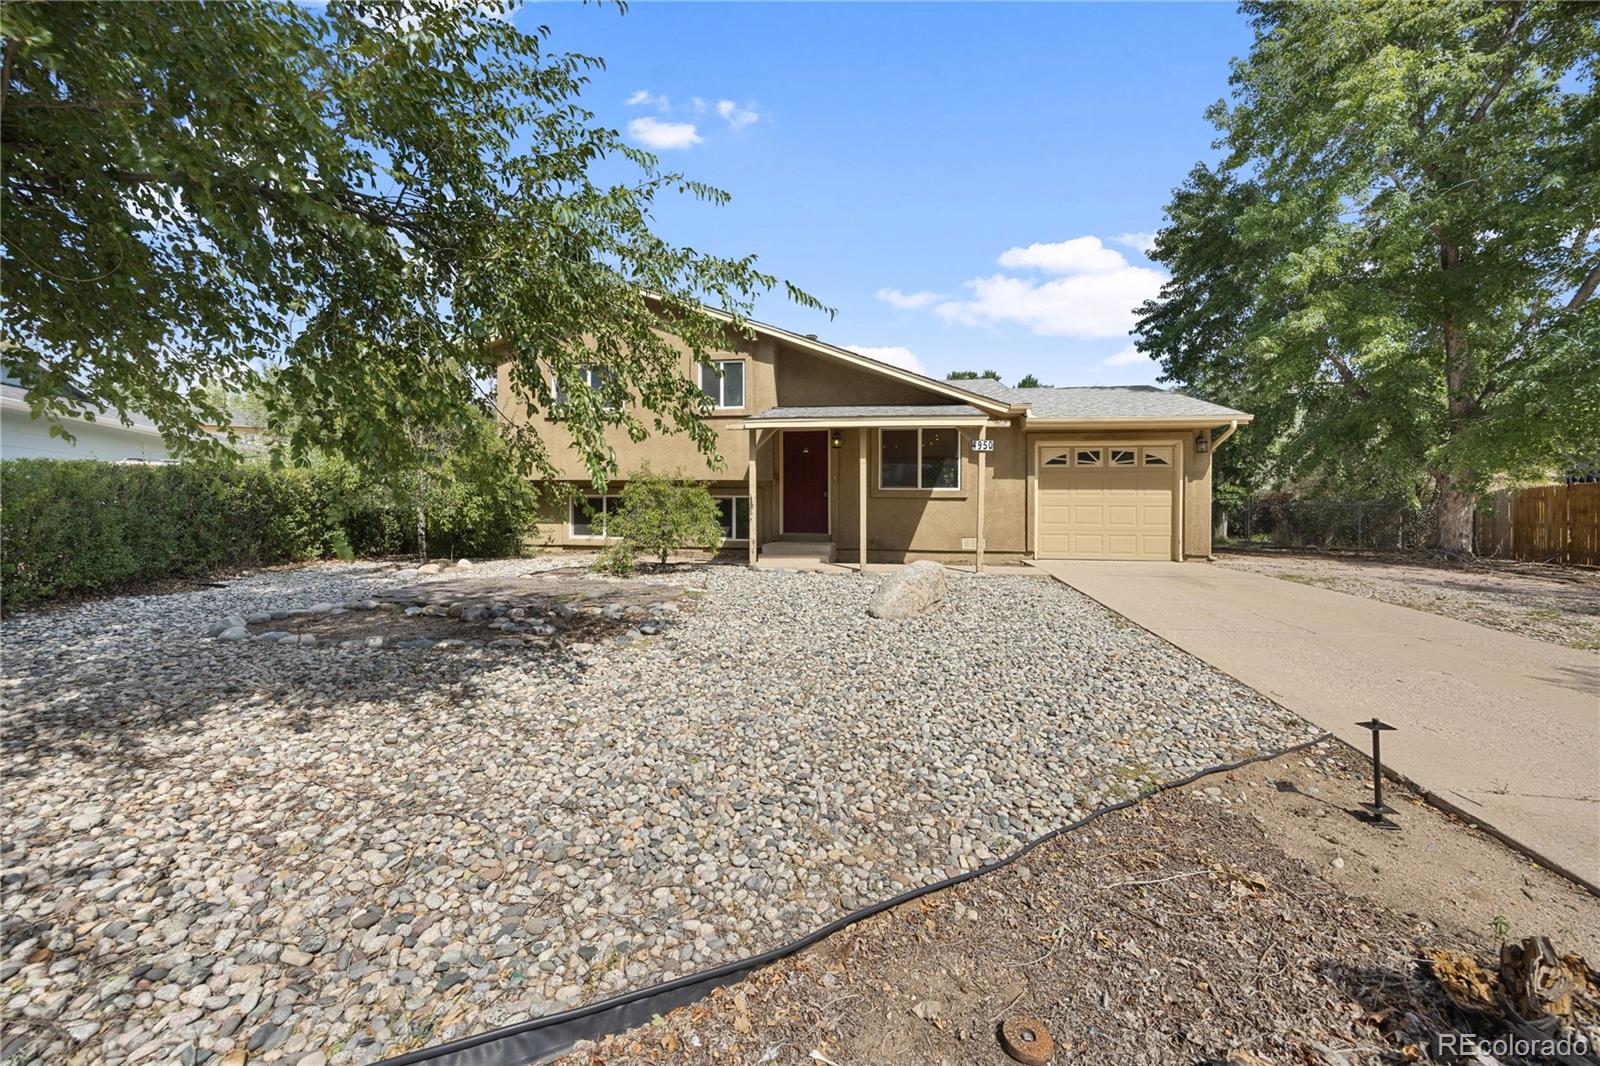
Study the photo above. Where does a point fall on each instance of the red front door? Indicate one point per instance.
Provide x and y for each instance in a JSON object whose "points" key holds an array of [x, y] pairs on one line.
{"points": [[805, 482]]}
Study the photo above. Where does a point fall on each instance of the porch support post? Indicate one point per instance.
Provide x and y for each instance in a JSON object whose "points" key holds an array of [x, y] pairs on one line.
{"points": [[862, 434], [754, 532], [977, 555]]}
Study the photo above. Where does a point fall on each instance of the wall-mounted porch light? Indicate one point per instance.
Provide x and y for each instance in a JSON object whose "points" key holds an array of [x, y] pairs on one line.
{"points": [[837, 439], [1202, 443]]}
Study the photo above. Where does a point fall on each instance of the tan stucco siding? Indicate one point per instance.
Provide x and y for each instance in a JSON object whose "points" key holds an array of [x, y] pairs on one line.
{"points": [[913, 524], [804, 379], [668, 452], [1196, 501], [776, 375]]}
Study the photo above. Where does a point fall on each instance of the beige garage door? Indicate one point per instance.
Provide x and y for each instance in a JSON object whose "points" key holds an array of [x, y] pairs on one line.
{"points": [[1105, 502]]}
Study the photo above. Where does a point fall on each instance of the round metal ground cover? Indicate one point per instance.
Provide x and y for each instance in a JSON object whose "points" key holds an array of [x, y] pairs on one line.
{"points": [[1027, 1040]]}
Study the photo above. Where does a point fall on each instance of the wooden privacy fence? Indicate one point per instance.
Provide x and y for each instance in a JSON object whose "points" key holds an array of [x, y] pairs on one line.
{"points": [[1547, 524]]}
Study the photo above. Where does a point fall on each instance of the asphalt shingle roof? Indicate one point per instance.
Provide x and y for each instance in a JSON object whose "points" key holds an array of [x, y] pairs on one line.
{"points": [[1104, 401]]}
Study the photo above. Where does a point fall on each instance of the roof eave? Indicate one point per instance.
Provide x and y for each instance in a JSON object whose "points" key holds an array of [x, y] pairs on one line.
{"points": [[873, 422], [1135, 421]]}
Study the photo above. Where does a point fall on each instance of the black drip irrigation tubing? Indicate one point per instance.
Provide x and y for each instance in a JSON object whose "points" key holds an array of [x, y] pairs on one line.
{"points": [[543, 1038]]}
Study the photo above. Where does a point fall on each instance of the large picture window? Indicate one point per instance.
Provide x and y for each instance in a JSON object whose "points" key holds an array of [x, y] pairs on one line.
{"points": [[588, 516], [919, 459], [734, 512], [723, 381]]}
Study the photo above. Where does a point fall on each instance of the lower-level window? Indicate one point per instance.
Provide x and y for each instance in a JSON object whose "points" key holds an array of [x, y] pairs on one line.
{"points": [[919, 459], [588, 517], [734, 512]]}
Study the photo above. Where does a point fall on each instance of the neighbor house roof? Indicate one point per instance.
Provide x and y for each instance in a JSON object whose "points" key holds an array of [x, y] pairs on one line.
{"points": [[1096, 402], [14, 397]]}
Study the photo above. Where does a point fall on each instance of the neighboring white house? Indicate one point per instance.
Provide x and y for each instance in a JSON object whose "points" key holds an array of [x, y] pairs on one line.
{"points": [[24, 437]]}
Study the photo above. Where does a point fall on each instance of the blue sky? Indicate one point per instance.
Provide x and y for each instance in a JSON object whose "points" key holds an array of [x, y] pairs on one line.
{"points": [[966, 184]]}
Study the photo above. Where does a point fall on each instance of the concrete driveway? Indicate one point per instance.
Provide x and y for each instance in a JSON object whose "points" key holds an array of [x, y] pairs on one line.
{"points": [[1503, 727]]}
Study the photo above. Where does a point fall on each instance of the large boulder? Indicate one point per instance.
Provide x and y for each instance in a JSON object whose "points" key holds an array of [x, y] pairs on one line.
{"points": [[911, 591]]}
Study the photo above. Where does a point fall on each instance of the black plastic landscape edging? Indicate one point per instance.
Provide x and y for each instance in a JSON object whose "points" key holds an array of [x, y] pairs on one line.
{"points": [[542, 1038]]}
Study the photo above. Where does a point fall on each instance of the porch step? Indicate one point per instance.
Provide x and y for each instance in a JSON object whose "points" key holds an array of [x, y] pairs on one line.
{"points": [[817, 550]]}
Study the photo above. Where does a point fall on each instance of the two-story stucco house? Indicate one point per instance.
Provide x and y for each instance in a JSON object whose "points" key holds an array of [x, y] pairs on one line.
{"points": [[825, 450]]}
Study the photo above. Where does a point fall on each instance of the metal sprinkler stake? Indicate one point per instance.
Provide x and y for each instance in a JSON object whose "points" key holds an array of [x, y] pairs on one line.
{"points": [[1377, 809]]}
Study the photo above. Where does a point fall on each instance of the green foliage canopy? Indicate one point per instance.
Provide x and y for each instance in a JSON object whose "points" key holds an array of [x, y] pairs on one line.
{"points": [[1394, 264], [354, 211], [81, 526]]}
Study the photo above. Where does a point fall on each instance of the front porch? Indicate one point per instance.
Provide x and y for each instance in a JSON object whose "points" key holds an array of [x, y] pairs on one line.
{"points": [[828, 489]]}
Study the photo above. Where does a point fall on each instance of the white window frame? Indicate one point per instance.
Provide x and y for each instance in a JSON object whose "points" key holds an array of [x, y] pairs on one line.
{"points": [[593, 377], [602, 514], [735, 538], [918, 487], [719, 400], [1163, 453]]}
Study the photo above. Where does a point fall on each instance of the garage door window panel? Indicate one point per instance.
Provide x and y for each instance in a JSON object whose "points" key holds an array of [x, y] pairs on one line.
{"points": [[1087, 457], [1158, 457], [1124, 457]]}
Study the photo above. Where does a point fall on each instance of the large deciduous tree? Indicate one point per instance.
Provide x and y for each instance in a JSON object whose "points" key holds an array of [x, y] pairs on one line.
{"points": [[1395, 263], [353, 211]]}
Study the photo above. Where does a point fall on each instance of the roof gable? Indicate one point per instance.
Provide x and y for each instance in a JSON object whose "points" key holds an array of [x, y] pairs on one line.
{"points": [[811, 344]]}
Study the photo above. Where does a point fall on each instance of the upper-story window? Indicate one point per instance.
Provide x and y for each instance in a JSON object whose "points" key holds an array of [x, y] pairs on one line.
{"points": [[593, 376], [919, 459], [723, 381]]}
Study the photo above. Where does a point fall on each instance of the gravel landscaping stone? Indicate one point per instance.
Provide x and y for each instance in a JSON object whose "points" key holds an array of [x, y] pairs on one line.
{"points": [[472, 838]]}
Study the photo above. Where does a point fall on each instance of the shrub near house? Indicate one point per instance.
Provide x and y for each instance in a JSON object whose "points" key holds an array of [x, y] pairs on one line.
{"points": [[656, 516]]}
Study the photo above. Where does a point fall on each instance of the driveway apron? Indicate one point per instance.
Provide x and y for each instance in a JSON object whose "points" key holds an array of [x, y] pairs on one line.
{"points": [[1503, 727]]}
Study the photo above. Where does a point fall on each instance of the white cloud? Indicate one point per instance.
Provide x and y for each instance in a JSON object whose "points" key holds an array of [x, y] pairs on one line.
{"points": [[698, 103], [1082, 305], [1129, 356], [908, 301], [1139, 242], [1081, 255], [736, 115], [1094, 297], [894, 355], [653, 133], [645, 98]]}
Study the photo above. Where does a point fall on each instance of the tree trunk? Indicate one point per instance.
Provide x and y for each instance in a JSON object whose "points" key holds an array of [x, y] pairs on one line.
{"points": [[422, 515], [1456, 508]]}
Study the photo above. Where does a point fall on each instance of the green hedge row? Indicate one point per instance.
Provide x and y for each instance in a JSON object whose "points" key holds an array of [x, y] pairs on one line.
{"points": [[75, 525]]}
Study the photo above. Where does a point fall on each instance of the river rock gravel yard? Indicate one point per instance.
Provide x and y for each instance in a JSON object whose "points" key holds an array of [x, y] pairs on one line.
{"points": [[332, 854]]}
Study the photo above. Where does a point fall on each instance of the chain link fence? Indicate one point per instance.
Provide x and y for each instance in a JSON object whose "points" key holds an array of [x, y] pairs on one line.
{"points": [[1287, 521]]}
